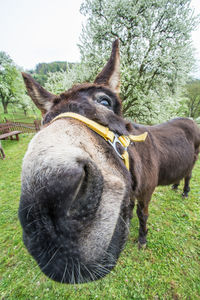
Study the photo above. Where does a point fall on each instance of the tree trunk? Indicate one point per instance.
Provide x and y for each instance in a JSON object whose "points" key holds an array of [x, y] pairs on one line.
{"points": [[5, 107]]}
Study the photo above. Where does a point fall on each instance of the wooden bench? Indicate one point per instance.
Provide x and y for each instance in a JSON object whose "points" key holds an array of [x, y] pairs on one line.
{"points": [[10, 134], [6, 131]]}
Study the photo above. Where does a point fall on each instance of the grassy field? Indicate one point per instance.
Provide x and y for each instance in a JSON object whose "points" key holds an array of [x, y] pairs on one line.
{"points": [[168, 269], [15, 114]]}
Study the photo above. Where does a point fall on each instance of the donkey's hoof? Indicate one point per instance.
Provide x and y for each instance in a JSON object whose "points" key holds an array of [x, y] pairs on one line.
{"points": [[185, 195], [175, 187], [142, 245]]}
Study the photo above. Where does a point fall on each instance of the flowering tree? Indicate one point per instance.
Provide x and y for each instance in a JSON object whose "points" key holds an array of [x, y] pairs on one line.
{"points": [[63, 80], [11, 84], [155, 43]]}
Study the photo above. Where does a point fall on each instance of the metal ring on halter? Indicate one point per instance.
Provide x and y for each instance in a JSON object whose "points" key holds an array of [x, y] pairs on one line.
{"points": [[114, 145]]}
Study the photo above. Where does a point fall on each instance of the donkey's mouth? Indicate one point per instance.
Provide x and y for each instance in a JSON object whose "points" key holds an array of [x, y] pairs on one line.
{"points": [[64, 265]]}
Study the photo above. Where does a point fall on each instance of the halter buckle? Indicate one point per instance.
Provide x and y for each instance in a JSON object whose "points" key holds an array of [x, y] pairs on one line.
{"points": [[114, 143]]}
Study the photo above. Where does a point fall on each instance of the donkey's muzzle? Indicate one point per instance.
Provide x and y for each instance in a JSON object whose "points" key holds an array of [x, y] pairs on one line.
{"points": [[54, 211]]}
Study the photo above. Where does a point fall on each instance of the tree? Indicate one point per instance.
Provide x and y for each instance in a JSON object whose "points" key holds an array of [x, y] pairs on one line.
{"points": [[192, 95], [11, 84], [155, 43], [60, 81], [40, 74]]}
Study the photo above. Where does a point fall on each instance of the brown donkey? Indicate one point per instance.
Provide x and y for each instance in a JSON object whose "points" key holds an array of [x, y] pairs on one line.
{"points": [[83, 170]]}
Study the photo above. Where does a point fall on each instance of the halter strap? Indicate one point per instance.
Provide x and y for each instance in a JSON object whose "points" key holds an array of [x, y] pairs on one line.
{"points": [[112, 138]]}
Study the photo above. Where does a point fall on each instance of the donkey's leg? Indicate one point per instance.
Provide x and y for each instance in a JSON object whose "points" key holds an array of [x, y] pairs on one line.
{"points": [[142, 213], [175, 185], [186, 188]]}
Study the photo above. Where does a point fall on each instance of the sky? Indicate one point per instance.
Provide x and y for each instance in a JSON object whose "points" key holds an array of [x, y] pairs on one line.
{"points": [[33, 31]]}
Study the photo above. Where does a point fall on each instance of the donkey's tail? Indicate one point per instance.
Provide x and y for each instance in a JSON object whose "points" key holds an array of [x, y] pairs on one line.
{"points": [[197, 135], [197, 140]]}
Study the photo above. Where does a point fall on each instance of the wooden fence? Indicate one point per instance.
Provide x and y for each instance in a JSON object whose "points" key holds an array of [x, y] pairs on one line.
{"points": [[24, 127]]}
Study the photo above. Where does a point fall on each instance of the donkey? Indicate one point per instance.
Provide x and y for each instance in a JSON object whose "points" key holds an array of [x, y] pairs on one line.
{"points": [[83, 171]]}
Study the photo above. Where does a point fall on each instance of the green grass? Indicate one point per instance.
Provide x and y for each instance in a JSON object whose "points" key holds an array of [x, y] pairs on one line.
{"points": [[16, 114], [168, 269]]}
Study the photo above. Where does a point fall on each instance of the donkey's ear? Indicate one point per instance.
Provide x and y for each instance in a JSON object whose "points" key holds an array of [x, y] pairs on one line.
{"points": [[42, 99], [110, 75]]}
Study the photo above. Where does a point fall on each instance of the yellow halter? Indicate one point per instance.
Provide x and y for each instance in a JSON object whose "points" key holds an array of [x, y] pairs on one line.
{"points": [[107, 134]]}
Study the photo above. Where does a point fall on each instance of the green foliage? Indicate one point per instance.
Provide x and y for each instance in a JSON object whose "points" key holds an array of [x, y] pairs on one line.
{"points": [[192, 94], [16, 113], [56, 66], [155, 46], [12, 90], [40, 78], [11, 84], [167, 269], [40, 74], [63, 80]]}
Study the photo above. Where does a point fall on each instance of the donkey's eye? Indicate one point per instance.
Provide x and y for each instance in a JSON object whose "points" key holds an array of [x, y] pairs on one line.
{"points": [[104, 100]]}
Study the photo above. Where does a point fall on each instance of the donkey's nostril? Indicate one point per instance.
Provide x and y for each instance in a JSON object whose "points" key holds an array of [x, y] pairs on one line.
{"points": [[62, 189], [77, 188]]}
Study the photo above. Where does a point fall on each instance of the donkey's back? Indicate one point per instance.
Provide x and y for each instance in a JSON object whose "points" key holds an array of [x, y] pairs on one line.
{"points": [[177, 147], [185, 126]]}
